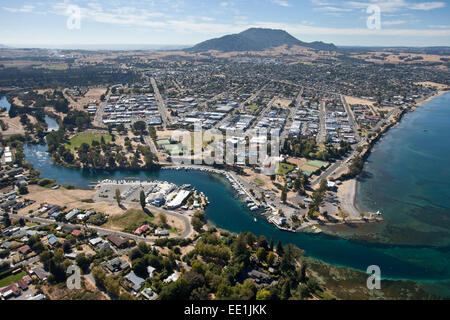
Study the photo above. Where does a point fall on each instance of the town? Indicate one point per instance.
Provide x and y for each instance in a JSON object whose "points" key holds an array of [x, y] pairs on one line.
{"points": [[139, 238]]}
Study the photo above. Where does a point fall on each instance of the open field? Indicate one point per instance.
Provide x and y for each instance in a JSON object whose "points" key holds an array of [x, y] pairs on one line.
{"points": [[88, 137], [70, 198], [57, 66], [355, 100], [92, 96], [131, 219], [285, 168], [11, 279], [430, 84], [406, 58]]}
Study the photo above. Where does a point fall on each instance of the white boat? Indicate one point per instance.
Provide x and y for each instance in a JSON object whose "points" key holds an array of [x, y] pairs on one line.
{"points": [[256, 220]]}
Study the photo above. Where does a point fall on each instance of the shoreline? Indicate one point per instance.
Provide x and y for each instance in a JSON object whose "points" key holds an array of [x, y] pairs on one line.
{"points": [[352, 192]]}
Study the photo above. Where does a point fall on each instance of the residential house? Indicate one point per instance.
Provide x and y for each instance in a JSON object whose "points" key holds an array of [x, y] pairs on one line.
{"points": [[135, 281]]}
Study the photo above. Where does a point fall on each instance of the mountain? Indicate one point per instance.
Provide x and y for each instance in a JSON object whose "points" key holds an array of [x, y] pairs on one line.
{"points": [[257, 39]]}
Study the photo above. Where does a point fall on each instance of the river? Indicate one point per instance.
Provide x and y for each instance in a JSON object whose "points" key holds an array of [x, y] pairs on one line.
{"points": [[421, 262], [4, 103]]}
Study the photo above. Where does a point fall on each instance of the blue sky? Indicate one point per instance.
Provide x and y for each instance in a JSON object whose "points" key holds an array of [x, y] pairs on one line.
{"points": [[183, 22]]}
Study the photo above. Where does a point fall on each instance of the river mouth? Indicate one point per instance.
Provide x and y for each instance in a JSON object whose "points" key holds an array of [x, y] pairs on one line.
{"points": [[226, 211], [419, 262]]}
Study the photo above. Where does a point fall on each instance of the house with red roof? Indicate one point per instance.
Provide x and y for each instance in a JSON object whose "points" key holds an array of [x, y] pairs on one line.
{"points": [[23, 284], [9, 291], [142, 229], [24, 249], [77, 233]]}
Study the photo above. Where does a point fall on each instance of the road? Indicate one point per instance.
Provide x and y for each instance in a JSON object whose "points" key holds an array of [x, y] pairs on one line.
{"points": [[98, 121], [161, 104], [322, 134], [339, 167], [102, 231], [148, 141], [351, 118], [262, 114]]}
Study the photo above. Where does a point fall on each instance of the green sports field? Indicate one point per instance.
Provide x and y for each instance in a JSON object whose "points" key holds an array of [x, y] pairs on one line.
{"points": [[88, 137]]}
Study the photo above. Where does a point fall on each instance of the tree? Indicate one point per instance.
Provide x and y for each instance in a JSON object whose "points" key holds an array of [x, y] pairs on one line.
{"points": [[112, 286], [99, 276], [279, 247], [23, 190], [66, 246], [83, 262], [263, 295], [143, 247], [284, 194], [261, 253], [262, 242], [140, 127], [197, 224], [45, 258], [270, 258], [142, 199], [118, 197], [6, 220], [178, 290], [241, 254], [126, 296]]}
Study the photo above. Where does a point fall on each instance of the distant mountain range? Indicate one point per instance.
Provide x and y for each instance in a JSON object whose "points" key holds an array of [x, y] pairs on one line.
{"points": [[257, 39]]}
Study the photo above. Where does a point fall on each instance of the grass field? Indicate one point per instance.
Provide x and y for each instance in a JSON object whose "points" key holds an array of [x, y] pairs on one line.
{"points": [[132, 219], [11, 279], [259, 182], [60, 66], [285, 168], [88, 137]]}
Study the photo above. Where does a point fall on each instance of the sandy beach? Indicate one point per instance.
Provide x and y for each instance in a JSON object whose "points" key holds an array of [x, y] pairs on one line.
{"points": [[346, 196]]}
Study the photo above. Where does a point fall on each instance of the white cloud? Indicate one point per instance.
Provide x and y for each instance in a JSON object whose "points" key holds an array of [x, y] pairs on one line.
{"points": [[393, 22], [428, 6], [24, 8], [282, 3], [385, 5], [299, 29]]}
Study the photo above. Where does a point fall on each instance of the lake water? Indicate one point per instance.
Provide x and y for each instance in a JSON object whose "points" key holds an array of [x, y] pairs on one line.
{"points": [[397, 261], [409, 178]]}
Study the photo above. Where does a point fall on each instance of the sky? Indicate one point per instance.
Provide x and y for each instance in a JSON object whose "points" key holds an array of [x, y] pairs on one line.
{"points": [[72, 23]]}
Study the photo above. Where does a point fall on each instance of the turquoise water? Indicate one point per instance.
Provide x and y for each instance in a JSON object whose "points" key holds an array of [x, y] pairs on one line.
{"points": [[401, 261], [227, 212], [409, 178]]}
